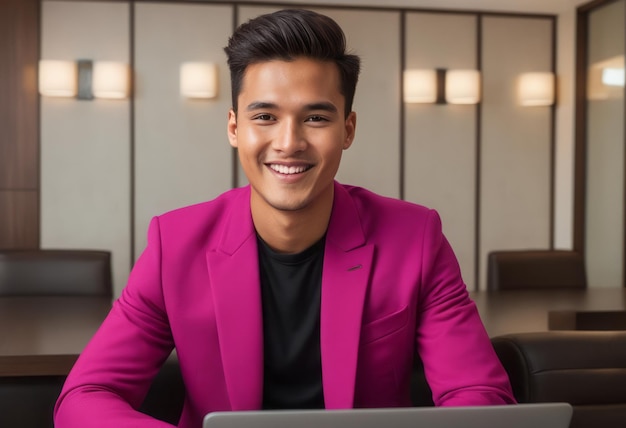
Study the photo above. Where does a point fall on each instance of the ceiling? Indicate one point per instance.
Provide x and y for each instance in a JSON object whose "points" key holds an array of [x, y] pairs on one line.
{"points": [[526, 6]]}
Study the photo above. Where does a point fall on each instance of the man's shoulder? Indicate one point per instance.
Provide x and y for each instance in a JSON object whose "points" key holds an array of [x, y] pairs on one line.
{"points": [[366, 199]]}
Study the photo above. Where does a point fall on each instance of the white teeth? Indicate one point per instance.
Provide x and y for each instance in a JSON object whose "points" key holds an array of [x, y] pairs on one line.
{"points": [[284, 169]]}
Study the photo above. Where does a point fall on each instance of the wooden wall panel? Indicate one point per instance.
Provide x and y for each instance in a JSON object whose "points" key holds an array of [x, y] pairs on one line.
{"points": [[19, 124], [19, 219]]}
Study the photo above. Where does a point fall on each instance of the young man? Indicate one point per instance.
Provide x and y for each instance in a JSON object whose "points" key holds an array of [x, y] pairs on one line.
{"points": [[295, 291]]}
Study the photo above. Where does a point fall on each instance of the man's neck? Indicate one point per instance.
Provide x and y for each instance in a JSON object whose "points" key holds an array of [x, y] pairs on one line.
{"points": [[291, 232]]}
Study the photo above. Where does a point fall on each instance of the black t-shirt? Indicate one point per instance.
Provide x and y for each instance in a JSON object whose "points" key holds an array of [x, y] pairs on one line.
{"points": [[291, 293]]}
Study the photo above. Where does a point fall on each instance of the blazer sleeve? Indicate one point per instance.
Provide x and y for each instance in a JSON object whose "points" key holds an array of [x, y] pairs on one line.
{"points": [[114, 372], [460, 363]]}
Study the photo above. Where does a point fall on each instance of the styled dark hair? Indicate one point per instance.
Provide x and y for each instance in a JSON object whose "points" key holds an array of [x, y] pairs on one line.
{"points": [[287, 35]]}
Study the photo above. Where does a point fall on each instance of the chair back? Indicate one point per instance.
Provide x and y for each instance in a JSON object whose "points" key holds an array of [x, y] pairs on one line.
{"points": [[519, 269], [584, 368], [55, 272]]}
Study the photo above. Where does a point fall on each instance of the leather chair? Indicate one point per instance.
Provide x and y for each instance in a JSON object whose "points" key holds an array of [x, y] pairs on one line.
{"points": [[166, 396], [55, 272], [519, 269], [28, 402], [584, 368]]}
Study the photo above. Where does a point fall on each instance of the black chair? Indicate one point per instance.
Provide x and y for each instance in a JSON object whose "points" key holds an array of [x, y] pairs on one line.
{"points": [[535, 269], [28, 401], [584, 368], [55, 272], [166, 396]]}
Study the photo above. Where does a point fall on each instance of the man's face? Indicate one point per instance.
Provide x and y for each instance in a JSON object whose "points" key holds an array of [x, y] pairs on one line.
{"points": [[290, 132]]}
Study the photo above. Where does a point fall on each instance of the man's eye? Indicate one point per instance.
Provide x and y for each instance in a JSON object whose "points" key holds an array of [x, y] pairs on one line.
{"points": [[263, 117], [316, 119]]}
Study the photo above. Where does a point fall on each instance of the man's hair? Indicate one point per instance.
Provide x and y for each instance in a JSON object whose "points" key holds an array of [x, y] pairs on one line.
{"points": [[287, 35]]}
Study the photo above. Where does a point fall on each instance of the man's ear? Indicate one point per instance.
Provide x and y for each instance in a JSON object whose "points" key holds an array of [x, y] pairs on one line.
{"points": [[232, 128], [350, 130]]}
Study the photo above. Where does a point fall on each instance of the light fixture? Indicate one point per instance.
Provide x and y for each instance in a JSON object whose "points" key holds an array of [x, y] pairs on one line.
{"points": [[83, 79], [442, 86], [536, 89], [420, 86], [198, 80], [110, 80], [57, 78], [462, 86]]}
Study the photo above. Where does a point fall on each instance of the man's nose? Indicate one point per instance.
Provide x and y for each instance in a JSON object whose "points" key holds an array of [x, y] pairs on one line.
{"points": [[290, 138]]}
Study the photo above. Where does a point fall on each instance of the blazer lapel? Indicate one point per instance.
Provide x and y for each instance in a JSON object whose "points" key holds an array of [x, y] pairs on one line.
{"points": [[347, 265], [234, 280]]}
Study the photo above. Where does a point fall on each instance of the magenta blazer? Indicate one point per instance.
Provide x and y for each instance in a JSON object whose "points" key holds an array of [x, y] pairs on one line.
{"points": [[390, 285]]}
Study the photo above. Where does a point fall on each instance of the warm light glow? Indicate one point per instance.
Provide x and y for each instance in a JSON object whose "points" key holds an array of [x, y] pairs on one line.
{"points": [[605, 79], [463, 86], [57, 78], [420, 86], [110, 80], [198, 80], [536, 89], [613, 76]]}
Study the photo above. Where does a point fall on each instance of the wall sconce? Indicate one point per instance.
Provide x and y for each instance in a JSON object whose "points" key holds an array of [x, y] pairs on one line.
{"points": [[442, 86], [462, 86], [83, 79], [536, 89], [57, 78], [198, 80], [420, 86], [110, 80]]}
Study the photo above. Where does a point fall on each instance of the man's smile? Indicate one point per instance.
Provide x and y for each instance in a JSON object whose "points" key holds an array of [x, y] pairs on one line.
{"points": [[289, 169]]}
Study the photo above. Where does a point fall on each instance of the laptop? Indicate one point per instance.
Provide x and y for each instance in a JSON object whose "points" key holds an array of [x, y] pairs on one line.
{"points": [[531, 415]]}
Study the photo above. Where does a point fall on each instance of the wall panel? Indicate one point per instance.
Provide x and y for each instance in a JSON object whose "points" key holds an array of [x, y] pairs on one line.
{"points": [[182, 155], [516, 141], [244, 14], [19, 124], [94, 197], [19, 219], [440, 140], [85, 194], [373, 160], [604, 217]]}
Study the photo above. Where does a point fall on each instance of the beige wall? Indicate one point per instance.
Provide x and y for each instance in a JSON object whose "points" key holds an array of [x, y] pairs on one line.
{"points": [[85, 145], [604, 211], [440, 140], [181, 154]]}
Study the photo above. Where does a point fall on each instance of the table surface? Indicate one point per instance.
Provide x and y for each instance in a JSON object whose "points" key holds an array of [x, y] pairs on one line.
{"points": [[519, 311], [45, 335]]}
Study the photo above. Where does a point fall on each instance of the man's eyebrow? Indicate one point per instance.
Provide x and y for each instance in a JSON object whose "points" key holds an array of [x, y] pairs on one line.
{"points": [[260, 105], [325, 106], [264, 105]]}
